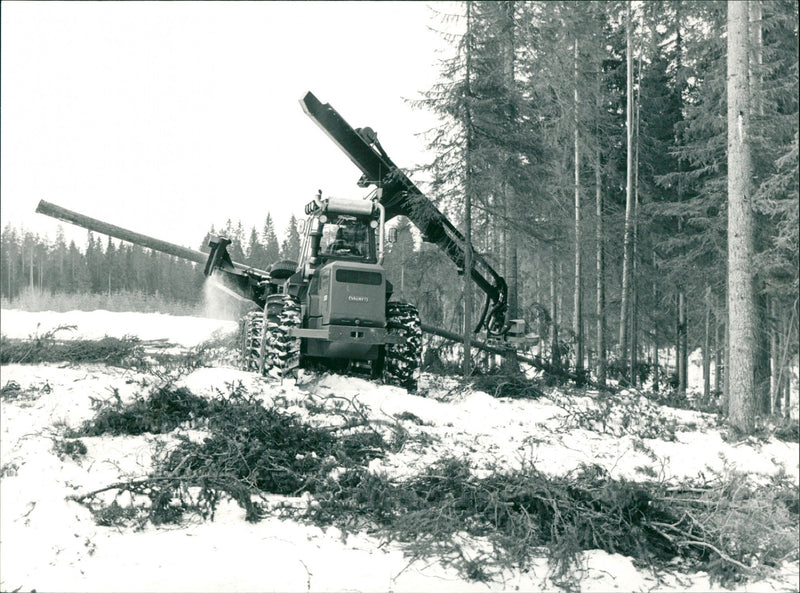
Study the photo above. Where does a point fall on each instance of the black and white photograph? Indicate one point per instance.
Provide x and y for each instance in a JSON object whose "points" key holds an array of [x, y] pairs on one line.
{"points": [[365, 296]]}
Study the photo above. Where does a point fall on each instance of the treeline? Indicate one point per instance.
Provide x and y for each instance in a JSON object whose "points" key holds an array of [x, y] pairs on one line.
{"points": [[584, 150], [30, 262]]}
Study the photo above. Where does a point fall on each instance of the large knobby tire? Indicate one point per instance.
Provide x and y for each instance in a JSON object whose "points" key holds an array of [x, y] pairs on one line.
{"points": [[282, 269], [279, 351], [251, 329], [401, 366]]}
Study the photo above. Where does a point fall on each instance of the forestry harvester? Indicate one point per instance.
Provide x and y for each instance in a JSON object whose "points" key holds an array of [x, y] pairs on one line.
{"points": [[334, 306]]}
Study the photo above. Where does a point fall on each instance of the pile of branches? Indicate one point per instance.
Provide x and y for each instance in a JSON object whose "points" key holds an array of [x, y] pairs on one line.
{"points": [[617, 414], [125, 351], [164, 409], [128, 352], [508, 385], [249, 450], [729, 528]]}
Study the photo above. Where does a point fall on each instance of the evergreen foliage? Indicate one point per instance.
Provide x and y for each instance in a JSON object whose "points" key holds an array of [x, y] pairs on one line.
{"points": [[508, 137], [290, 248], [725, 525]]}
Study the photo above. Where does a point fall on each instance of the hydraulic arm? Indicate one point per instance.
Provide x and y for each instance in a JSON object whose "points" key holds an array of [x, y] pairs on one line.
{"points": [[400, 196]]}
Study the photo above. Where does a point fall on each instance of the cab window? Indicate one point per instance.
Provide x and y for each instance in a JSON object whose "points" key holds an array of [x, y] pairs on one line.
{"points": [[345, 238]]}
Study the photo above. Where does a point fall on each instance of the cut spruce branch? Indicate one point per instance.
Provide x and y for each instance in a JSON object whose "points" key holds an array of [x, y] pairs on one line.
{"points": [[138, 484]]}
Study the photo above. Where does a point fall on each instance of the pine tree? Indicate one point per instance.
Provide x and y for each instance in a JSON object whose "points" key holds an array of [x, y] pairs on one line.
{"points": [[236, 234], [111, 267], [256, 253], [290, 249], [78, 271], [9, 252], [94, 263], [272, 251], [56, 273]]}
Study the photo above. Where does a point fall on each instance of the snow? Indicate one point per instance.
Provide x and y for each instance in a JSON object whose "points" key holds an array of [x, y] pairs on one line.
{"points": [[93, 325], [49, 543]]}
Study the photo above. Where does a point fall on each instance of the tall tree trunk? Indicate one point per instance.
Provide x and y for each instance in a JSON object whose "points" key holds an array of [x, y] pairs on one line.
{"points": [[682, 351], [634, 343], [681, 336], [555, 351], [510, 362], [756, 44], [601, 283], [774, 400], [707, 348], [577, 316], [742, 397], [31, 268], [511, 266], [656, 368], [467, 362], [626, 247], [763, 324]]}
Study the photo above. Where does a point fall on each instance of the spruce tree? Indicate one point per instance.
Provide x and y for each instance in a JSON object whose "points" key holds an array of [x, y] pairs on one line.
{"points": [[256, 253], [290, 249], [272, 252]]}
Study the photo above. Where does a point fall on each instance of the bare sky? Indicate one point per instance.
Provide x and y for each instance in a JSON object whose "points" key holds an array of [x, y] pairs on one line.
{"points": [[169, 117]]}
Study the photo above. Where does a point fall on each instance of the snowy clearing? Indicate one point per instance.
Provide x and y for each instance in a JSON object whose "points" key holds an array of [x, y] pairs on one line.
{"points": [[52, 544]]}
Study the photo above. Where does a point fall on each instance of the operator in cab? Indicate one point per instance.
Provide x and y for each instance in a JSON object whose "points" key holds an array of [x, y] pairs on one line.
{"points": [[345, 238]]}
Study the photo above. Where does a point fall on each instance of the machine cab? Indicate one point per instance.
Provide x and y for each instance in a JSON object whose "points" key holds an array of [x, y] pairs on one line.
{"points": [[343, 230], [342, 256], [348, 238]]}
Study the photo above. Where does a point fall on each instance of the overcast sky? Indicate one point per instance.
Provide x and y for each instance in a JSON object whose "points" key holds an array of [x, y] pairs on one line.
{"points": [[169, 117]]}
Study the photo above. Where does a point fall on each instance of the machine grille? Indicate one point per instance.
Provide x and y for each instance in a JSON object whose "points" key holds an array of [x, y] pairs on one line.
{"points": [[359, 277]]}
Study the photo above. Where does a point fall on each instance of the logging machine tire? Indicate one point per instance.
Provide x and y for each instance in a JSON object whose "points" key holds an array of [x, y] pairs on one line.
{"points": [[282, 269], [251, 330], [279, 351], [401, 365]]}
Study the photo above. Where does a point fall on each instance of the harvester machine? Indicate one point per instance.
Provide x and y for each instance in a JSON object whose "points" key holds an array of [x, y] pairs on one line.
{"points": [[333, 307]]}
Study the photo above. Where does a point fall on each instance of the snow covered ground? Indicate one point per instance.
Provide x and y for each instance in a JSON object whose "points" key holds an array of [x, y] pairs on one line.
{"points": [[48, 543]]}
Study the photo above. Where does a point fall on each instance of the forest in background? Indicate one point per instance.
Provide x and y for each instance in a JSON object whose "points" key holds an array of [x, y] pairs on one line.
{"points": [[585, 154]]}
